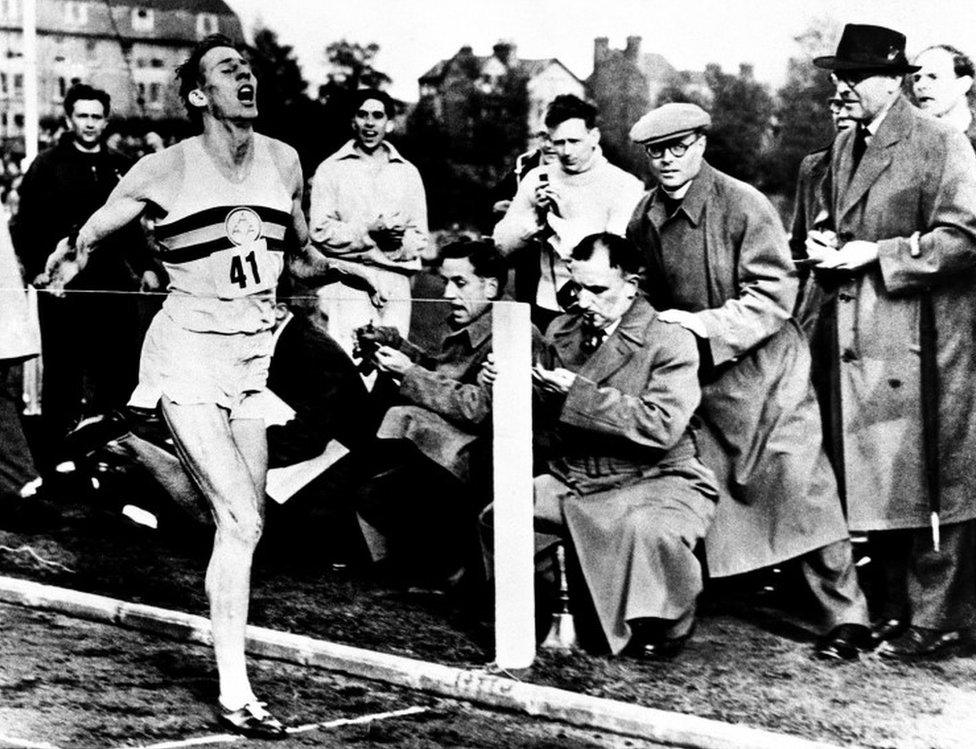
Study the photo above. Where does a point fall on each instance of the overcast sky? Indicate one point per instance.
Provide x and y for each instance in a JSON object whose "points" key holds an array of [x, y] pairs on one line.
{"points": [[415, 34]]}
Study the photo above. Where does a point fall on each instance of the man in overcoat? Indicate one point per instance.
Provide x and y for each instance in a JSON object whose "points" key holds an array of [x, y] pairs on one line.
{"points": [[815, 306], [624, 482], [902, 202], [719, 264]]}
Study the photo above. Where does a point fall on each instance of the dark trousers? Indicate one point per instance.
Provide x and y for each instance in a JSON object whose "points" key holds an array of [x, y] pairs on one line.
{"points": [[935, 590], [16, 464], [418, 515], [90, 344], [831, 578]]}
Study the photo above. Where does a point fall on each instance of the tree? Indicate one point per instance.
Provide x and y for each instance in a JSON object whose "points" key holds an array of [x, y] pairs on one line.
{"points": [[351, 66], [742, 112], [279, 65], [802, 118], [467, 146], [285, 111]]}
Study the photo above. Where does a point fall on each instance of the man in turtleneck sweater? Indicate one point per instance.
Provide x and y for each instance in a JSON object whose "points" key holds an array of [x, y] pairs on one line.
{"points": [[563, 202]]}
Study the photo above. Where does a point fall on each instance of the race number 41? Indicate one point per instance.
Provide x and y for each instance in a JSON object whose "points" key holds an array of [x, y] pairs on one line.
{"points": [[246, 269], [237, 273]]}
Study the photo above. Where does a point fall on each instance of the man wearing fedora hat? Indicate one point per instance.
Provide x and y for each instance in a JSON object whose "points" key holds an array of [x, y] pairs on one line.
{"points": [[719, 264], [902, 247]]}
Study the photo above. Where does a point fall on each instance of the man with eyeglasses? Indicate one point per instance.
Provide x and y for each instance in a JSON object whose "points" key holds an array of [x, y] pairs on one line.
{"points": [[719, 264], [903, 247]]}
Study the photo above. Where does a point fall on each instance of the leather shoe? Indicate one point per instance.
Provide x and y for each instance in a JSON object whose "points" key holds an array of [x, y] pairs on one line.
{"points": [[844, 642], [919, 643], [657, 648], [888, 629]]}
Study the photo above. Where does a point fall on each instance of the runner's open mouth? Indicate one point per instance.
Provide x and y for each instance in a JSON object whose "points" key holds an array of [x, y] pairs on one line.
{"points": [[246, 94]]}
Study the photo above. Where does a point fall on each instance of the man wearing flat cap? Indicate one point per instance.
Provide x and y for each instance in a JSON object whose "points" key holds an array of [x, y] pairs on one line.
{"points": [[719, 264], [902, 247]]}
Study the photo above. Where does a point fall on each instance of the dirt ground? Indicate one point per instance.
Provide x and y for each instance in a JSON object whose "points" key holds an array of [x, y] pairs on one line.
{"points": [[76, 684], [739, 667]]}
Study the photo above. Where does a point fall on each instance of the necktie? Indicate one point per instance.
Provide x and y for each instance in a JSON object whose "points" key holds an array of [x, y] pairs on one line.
{"points": [[860, 145], [592, 340]]}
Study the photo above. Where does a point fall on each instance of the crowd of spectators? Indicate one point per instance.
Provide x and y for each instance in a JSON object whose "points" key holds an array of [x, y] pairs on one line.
{"points": [[713, 397]]}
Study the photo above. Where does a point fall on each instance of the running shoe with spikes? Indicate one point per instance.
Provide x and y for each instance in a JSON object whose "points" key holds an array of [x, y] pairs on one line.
{"points": [[254, 721]]}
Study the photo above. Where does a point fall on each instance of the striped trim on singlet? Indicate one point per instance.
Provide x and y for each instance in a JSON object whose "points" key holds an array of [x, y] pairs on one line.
{"points": [[200, 234]]}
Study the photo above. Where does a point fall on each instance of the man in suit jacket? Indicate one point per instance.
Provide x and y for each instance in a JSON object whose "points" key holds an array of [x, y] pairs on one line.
{"points": [[624, 483], [902, 201]]}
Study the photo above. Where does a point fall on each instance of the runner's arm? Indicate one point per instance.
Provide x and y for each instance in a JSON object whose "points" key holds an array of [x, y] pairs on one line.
{"points": [[126, 203]]}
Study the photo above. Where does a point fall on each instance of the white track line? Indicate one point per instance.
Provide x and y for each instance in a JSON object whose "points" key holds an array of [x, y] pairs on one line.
{"points": [[228, 738], [361, 719], [25, 743]]}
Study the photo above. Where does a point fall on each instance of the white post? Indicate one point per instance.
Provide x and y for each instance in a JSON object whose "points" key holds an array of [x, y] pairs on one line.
{"points": [[31, 126], [513, 536]]}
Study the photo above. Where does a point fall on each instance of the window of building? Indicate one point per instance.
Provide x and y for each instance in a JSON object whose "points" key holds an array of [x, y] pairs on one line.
{"points": [[76, 13], [4, 121], [154, 93], [62, 86], [18, 120], [156, 62], [142, 19], [207, 24], [140, 62], [18, 83], [3, 84]]}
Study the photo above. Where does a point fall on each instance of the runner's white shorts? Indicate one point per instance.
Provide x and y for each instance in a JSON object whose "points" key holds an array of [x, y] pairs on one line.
{"points": [[187, 366]]}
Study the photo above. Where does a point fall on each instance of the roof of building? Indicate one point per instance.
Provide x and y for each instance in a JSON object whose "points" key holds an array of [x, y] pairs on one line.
{"points": [[656, 66], [531, 68], [218, 7]]}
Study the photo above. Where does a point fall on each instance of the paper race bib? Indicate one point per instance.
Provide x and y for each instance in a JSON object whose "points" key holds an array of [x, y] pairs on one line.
{"points": [[244, 270]]}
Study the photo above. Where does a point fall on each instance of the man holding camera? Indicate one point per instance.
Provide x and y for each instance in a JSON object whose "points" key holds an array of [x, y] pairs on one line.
{"points": [[438, 434], [562, 203]]}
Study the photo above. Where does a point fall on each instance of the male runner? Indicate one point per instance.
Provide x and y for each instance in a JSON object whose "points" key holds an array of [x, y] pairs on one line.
{"points": [[227, 207]]}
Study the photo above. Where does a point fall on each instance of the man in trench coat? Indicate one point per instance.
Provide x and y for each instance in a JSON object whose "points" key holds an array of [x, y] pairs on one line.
{"points": [[719, 264], [816, 304], [902, 201], [624, 481]]}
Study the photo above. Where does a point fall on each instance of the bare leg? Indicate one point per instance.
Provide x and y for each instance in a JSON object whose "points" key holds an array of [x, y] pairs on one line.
{"points": [[227, 460]]}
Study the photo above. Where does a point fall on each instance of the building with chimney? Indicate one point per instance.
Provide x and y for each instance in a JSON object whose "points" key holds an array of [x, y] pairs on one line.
{"points": [[625, 84], [447, 85], [129, 48]]}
